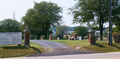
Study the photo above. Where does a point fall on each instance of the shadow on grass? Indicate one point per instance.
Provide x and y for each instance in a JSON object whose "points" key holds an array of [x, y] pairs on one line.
{"points": [[116, 46], [15, 47], [100, 45], [36, 49]]}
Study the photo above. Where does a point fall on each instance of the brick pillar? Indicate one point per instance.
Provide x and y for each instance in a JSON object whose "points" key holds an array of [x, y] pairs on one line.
{"points": [[27, 37], [92, 39]]}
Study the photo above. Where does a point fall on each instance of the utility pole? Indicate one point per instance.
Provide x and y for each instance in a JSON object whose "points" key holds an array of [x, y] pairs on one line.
{"points": [[110, 23], [13, 15]]}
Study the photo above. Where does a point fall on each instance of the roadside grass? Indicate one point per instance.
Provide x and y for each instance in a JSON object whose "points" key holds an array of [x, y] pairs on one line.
{"points": [[18, 51], [101, 46]]}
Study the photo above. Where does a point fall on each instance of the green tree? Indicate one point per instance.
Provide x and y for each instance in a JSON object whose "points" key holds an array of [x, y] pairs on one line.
{"points": [[60, 31], [106, 32], [70, 28], [85, 11], [9, 25], [81, 31], [41, 17], [116, 29]]}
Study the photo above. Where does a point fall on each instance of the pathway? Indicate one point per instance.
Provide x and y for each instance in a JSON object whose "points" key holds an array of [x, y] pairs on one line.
{"points": [[55, 48]]}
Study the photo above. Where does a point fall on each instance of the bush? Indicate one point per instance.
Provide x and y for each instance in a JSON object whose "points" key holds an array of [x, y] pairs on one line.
{"points": [[116, 37]]}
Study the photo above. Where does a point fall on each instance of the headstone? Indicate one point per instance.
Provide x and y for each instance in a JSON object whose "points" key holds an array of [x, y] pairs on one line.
{"points": [[58, 38], [80, 38], [74, 37], [50, 37], [42, 37]]}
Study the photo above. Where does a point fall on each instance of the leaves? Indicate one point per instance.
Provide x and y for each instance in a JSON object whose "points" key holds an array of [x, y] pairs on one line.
{"points": [[9, 25], [81, 31], [60, 31], [95, 12], [41, 17], [85, 11]]}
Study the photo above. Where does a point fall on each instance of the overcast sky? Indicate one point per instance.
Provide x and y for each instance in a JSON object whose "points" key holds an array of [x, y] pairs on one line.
{"points": [[20, 7]]}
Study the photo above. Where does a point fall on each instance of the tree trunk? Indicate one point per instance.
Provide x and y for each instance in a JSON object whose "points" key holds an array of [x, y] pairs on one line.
{"points": [[101, 29], [101, 35], [45, 34]]}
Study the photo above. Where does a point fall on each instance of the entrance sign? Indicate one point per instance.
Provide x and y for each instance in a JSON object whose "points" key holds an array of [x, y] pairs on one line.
{"points": [[10, 38]]}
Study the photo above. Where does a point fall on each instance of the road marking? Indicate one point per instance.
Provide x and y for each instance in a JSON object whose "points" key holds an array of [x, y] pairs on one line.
{"points": [[109, 58]]}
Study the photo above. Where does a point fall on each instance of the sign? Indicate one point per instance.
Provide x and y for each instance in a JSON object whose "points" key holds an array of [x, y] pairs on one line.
{"points": [[10, 38]]}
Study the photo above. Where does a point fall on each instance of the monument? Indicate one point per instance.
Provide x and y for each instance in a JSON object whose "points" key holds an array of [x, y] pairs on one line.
{"points": [[50, 37]]}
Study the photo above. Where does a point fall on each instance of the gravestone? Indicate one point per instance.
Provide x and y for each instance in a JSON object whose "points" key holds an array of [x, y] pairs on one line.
{"points": [[50, 37], [42, 37], [80, 38]]}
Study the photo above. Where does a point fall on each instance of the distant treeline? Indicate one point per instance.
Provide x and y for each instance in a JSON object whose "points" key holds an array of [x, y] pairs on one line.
{"points": [[68, 28]]}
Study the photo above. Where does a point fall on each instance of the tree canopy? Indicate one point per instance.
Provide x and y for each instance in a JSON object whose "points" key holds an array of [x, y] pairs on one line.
{"points": [[95, 12], [60, 31], [81, 31], [41, 17], [9, 25], [116, 29]]}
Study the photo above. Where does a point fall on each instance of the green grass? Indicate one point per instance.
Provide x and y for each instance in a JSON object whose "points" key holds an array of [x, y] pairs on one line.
{"points": [[101, 46], [17, 51]]}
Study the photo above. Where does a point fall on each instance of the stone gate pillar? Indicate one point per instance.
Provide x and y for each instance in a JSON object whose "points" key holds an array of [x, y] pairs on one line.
{"points": [[26, 37], [92, 40]]}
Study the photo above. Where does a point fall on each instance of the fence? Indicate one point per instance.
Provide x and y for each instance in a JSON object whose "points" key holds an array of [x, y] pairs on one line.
{"points": [[115, 38], [105, 37]]}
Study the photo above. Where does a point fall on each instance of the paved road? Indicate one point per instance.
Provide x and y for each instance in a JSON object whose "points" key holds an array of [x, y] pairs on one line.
{"points": [[115, 55], [55, 48]]}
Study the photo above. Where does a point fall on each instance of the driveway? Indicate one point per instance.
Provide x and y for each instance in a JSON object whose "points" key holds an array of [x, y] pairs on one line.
{"points": [[60, 51], [55, 48]]}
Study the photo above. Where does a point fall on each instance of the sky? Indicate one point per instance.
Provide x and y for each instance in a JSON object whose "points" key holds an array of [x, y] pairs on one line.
{"points": [[20, 7]]}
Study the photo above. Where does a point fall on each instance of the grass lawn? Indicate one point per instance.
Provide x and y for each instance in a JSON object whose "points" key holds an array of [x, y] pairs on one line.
{"points": [[17, 51], [101, 46]]}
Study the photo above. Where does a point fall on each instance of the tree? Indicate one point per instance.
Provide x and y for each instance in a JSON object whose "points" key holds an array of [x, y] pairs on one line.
{"points": [[81, 31], [86, 10], [9, 25], [70, 28], [116, 29], [41, 17], [61, 30]]}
